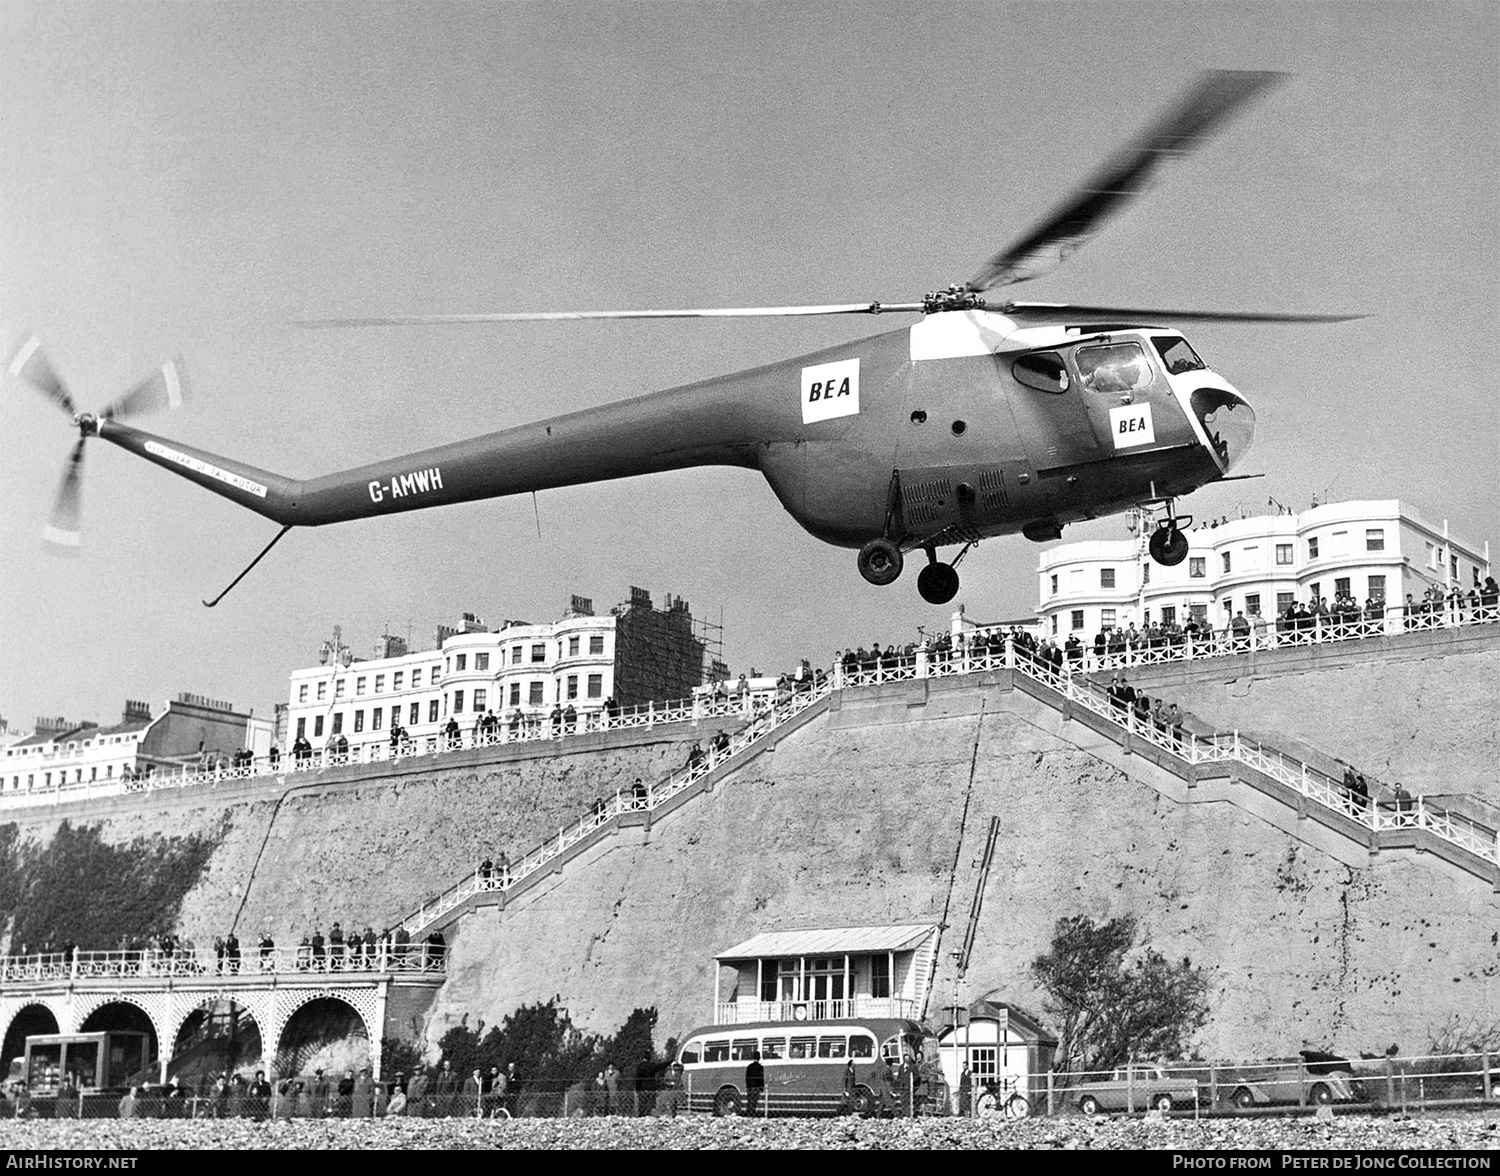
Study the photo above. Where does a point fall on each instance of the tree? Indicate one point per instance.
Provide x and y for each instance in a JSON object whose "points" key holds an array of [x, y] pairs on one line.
{"points": [[1113, 1001]]}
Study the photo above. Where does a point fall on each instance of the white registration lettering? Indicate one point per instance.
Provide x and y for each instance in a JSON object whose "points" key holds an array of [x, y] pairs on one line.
{"points": [[376, 493]]}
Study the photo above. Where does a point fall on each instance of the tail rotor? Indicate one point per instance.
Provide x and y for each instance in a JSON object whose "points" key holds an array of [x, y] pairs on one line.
{"points": [[164, 388]]}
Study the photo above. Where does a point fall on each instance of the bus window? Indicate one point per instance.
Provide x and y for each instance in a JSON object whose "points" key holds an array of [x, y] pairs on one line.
{"points": [[861, 1046], [743, 1049], [773, 1047], [833, 1047], [803, 1047], [890, 1049], [692, 1053], [716, 1051]]}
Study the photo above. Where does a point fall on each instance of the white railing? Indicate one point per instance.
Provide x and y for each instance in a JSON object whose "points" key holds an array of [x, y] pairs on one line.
{"points": [[506, 875], [741, 1012], [199, 963], [1394, 812]]}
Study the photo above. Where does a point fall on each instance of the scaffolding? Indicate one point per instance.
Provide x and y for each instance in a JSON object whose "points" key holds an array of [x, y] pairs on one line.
{"points": [[661, 654]]}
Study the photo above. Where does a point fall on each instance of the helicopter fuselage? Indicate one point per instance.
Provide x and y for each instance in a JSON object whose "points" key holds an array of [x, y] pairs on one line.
{"points": [[959, 427]]}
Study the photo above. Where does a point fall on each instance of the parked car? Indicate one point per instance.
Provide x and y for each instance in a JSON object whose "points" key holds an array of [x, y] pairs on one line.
{"points": [[1139, 1087], [1319, 1079]]}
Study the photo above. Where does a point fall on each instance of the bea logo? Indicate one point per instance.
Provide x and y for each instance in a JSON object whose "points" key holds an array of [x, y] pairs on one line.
{"points": [[1131, 425], [830, 390]]}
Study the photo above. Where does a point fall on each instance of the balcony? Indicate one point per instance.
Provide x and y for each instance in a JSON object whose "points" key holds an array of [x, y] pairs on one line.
{"points": [[743, 1012]]}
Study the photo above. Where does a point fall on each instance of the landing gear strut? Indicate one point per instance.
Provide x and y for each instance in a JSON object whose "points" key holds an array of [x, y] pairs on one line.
{"points": [[1168, 545]]}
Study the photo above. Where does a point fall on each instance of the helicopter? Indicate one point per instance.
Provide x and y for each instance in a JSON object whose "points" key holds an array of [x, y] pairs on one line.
{"points": [[974, 421]]}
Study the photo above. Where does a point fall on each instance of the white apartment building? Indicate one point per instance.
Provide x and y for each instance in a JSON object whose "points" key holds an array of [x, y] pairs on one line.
{"points": [[520, 667], [1380, 549]]}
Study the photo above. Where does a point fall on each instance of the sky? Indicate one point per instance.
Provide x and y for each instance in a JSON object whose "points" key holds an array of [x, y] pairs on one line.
{"points": [[191, 177]]}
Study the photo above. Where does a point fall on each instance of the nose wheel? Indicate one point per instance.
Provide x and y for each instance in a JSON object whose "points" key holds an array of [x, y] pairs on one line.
{"points": [[1168, 545], [880, 562]]}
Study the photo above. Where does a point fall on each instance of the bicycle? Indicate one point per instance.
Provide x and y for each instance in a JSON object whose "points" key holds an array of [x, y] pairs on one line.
{"points": [[1002, 1098]]}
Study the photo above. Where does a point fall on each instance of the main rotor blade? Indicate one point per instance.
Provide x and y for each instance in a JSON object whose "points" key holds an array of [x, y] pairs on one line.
{"points": [[427, 320], [30, 364], [165, 388], [65, 528], [1068, 312], [1207, 105]]}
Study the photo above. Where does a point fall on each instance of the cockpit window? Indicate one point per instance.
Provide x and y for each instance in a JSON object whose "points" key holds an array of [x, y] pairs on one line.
{"points": [[1176, 355], [1042, 370], [1115, 367]]}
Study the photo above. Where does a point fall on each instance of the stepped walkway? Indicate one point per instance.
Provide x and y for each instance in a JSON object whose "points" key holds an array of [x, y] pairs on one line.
{"points": [[1417, 823]]}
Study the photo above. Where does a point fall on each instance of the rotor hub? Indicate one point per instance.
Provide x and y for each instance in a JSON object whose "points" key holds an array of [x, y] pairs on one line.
{"points": [[88, 424], [953, 298]]}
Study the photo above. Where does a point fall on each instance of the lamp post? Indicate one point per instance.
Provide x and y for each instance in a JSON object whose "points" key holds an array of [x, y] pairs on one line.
{"points": [[334, 650]]}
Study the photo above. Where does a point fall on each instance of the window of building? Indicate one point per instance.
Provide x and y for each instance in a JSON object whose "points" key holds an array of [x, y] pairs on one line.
{"points": [[1146, 573], [1252, 602], [1197, 567], [1377, 587], [1374, 539], [1106, 577], [880, 976], [596, 643], [395, 716], [573, 646], [458, 702], [1453, 566], [1284, 601], [318, 727], [338, 722], [1169, 614], [463, 662], [481, 661], [302, 727], [1312, 548], [534, 693], [1338, 543], [416, 679], [398, 679], [1107, 618], [1224, 555], [302, 692], [338, 687], [432, 711], [1228, 603], [434, 673], [1341, 586], [515, 655], [414, 714], [515, 694], [359, 721], [1053, 579], [1283, 555], [479, 699], [1076, 619], [1054, 624], [572, 686], [538, 653], [596, 685], [377, 718], [379, 683], [322, 691], [359, 686], [1316, 589], [1198, 611]]}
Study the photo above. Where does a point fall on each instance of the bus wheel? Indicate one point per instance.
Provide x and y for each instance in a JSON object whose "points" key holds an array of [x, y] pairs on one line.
{"points": [[727, 1102], [864, 1102]]}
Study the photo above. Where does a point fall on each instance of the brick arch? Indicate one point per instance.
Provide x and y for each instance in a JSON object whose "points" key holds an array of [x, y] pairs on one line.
{"points": [[258, 1011], [12, 1006], [365, 1004], [154, 1005]]}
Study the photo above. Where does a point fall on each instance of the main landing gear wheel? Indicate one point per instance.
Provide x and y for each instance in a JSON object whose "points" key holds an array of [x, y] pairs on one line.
{"points": [[937, 583], [1169, 546], [880, 561]]}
